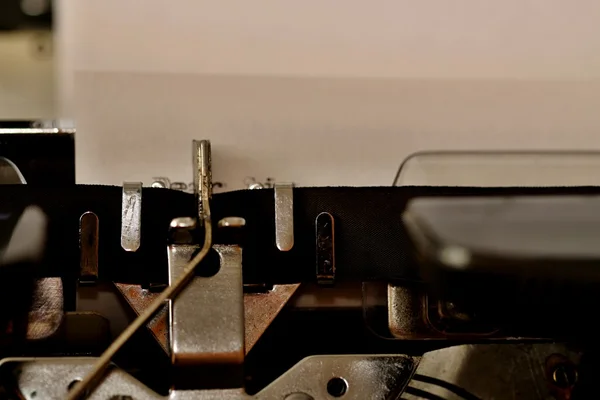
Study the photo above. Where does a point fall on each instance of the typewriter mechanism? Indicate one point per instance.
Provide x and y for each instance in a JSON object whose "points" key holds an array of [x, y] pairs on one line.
{"points": [[294, 293]]}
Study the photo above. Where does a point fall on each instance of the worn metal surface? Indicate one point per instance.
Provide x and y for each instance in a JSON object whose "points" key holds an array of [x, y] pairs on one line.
{"points": [[202, 162], [405, 313], [139, 299], [131, 216], [207, 319], [47, 310], [325, 248], [95, 376], [369, 377], [380, 377], [260, 309], [489, 371], [284, 216], [88, 247]]}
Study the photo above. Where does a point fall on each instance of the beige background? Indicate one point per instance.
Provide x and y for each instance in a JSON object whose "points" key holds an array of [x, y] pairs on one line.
{"points": [[322, 93]]}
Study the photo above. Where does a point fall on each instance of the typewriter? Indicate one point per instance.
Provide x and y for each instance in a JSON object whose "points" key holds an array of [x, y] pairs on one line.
{"points": [[294, 293]]}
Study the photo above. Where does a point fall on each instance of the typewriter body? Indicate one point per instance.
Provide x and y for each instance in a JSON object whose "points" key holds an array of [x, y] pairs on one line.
{"points": [[283, 292]]}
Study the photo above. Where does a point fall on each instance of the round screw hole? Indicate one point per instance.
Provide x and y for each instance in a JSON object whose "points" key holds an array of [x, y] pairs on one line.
{"points": [[73, 383], [337, 387]]}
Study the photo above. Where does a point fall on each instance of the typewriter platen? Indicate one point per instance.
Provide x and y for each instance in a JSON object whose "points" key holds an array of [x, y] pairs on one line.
{"points": [[132, 292]]}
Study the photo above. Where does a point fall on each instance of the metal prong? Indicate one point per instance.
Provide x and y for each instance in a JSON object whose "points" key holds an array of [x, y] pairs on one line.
{"points": [[202, 173], [88, 247], [183, 223], [91, 380], [284, 216], [131, 216], [325, 233], [232, 222]]}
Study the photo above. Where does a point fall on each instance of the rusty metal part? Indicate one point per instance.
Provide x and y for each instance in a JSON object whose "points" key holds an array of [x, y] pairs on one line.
{"points": [[139, 299], [46, 313], [413, 314], [260, 309], [88, 244], [406, 313]]}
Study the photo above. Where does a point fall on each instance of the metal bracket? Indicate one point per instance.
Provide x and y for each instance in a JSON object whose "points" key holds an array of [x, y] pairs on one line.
{"points": [[207, 318], [359, 377]]}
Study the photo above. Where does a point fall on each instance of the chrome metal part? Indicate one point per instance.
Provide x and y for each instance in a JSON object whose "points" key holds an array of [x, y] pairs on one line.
{"points": [[232, 222], [474, 370], [376, 377], [202, 174], [88, 247], [325, 248], [183, 223], [131, 216], [10, 174], [284, 216], [92, 379], [207, 319], [260, 309], [181, 230], [37, 131]]}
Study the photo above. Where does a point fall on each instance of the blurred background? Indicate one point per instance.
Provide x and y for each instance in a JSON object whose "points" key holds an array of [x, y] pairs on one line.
{"points": [[335, 92], [27, 68]]}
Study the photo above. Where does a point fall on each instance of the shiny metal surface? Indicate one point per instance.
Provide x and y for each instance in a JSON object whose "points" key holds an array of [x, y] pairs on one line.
{"points": [[284, 216], [260, 309], [207, 319], [232, 222], [380, 377], [10, 173], [489, 371], [325, 248], [47, 308], [88, 247], [131, 216], [183, 223], [94, 377], [368, 377], [59, 131], [202, 174]]}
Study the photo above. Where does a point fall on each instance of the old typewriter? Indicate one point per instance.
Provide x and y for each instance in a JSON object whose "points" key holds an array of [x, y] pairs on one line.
{"points": [[432, 291]]}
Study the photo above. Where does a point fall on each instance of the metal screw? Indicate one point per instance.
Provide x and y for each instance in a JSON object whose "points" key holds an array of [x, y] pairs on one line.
{"points": [[564, 375], [298, 396]]}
